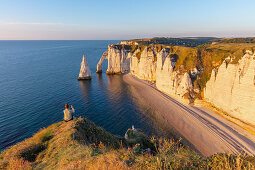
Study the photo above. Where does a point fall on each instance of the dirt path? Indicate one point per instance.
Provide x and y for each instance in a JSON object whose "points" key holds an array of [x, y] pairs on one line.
{"points": [[207, 131]]}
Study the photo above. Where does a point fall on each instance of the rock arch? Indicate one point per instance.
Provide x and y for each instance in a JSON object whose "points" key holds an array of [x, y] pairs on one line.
{"points": [[100, 62], [118, 60]]}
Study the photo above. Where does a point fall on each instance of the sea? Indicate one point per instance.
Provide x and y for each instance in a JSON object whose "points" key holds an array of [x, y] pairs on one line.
{"points": [[37, 78]]}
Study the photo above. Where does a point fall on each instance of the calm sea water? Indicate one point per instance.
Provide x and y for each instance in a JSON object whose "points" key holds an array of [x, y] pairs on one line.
{"points": [[38, 77]]}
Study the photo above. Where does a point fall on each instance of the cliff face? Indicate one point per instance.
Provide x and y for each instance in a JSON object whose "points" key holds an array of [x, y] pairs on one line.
{"points": [[232, 88], [118, 59], [172, 82], [143, 64], [150, 64]]}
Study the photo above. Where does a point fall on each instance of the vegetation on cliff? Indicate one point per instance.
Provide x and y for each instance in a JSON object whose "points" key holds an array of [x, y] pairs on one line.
{"points": [[236, 40], [189, 41], [185, 41], [80, 144], [203, 58]]}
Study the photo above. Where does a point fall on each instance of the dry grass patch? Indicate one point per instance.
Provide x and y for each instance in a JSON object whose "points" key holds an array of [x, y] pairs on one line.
{"points": [[80, 144]]}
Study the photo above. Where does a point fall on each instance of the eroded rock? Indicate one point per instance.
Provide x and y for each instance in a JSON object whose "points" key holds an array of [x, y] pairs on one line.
{"points": [[85, 73]]}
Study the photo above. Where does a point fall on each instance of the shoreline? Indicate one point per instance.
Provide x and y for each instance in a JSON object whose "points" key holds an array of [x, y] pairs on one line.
{"points": [[207, 131]]}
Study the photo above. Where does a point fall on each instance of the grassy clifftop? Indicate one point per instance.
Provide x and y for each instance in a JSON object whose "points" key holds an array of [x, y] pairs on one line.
{"points": [[80, 144]]}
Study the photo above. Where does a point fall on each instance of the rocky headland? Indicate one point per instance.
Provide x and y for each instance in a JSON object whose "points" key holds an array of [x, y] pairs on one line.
{"points": [[80, 144]]}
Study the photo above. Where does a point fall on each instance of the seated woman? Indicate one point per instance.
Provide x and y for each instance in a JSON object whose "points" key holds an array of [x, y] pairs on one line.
{"points": [[68, 113]]}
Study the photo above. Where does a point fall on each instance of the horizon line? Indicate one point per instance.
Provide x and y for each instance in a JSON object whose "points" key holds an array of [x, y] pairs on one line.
{"points": [[121, 39]]}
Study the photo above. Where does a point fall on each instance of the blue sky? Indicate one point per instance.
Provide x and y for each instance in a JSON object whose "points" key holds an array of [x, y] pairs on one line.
{"points": [[118, 19]]}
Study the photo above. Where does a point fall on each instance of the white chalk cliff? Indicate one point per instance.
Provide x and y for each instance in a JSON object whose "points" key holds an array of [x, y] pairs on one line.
{"points": [[85, 73], [99, 64], [232, 88], [118, 59], [148, 64], [143, 65], [172, 82], [159, 67]]}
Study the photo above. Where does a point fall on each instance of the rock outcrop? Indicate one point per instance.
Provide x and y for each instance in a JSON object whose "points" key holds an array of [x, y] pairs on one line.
{"points": [[143, 64], [148, 63], [85, 73], [118, 59], [158, 67], [232, 88], [174, 83], [99, 64]]}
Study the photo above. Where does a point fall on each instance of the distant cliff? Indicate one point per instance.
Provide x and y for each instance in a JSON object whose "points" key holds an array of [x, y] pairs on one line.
{"points": [[154, 64], [158, 65], [187, 73], [118, 59]]}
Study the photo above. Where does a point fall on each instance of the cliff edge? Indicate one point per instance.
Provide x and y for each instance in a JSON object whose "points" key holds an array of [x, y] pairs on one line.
{"points": [[80, 144]]}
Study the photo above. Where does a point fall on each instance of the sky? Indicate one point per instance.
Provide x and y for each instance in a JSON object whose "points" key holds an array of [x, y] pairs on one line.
{"points": [[124, 19]]}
